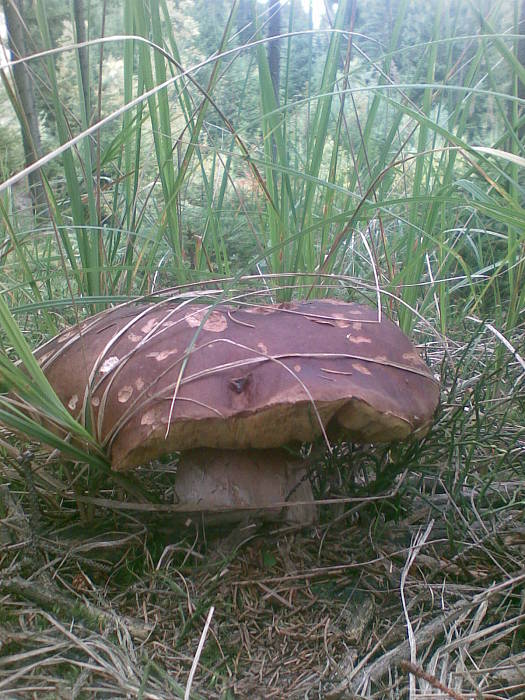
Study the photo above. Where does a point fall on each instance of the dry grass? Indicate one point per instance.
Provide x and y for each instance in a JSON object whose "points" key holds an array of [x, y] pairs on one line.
{"points": [[418, 591]]}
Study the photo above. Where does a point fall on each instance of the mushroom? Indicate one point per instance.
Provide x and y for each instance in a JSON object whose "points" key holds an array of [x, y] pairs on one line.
{"points": [[229, 387]]}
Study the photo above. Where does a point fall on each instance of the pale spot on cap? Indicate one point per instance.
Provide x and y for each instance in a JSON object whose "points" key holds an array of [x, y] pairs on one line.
{"points": [[134, 337], [124, 394], [259, 309], [262, 347], [139, 383], [95, 401], [361, 368], [109, 364], [341, 322], [150, 325], [297, 368], [162, 354], [358, 339], [149, 418], [72, 403], [216, 322]]}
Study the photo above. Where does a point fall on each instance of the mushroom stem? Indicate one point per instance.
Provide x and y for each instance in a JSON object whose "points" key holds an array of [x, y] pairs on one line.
{"points": [[226, 485]]}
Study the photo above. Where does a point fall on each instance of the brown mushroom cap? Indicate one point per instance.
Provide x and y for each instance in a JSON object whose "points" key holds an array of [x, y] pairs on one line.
{"points": [[255, 376]]}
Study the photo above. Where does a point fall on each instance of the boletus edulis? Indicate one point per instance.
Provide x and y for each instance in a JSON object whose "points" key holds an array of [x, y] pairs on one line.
{"points": [[229, 386]]}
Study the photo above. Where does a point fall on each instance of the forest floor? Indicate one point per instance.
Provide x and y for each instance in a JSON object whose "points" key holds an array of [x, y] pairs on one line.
{"points": [[414, 581]]}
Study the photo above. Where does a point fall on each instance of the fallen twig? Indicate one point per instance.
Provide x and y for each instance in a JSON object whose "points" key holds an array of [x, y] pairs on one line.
{"points": [[91, 615]]}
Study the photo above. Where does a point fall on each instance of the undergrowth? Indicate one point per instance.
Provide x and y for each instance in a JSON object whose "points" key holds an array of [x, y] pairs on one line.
{"points": [[388, 173]]}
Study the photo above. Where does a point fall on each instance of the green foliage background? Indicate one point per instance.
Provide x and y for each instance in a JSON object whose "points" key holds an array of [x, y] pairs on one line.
{"points": [[386, 165]]}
